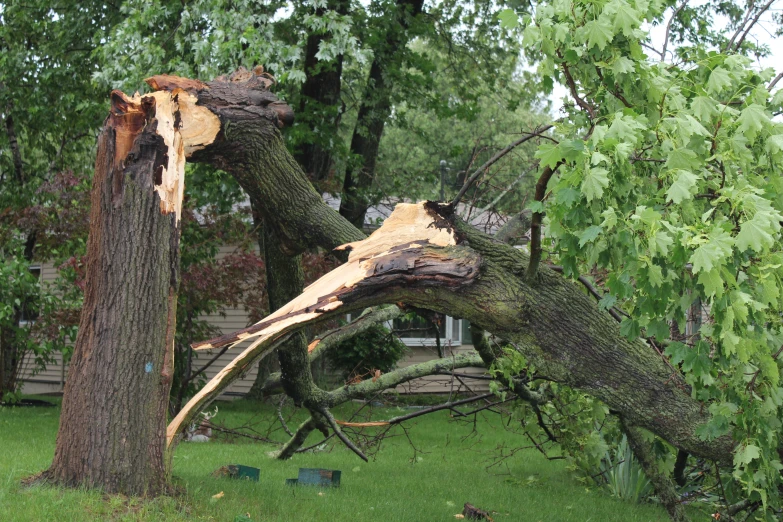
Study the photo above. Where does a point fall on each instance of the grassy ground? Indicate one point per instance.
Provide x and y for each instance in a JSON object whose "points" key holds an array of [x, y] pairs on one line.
{"points": [[393, 487]]}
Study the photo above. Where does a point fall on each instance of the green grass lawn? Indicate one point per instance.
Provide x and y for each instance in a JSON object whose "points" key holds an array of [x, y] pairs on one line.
{"points": [[394, 486]]}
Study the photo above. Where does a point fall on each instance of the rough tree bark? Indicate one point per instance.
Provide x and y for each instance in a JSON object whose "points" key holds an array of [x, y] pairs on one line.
{"points": [[115, 403]]}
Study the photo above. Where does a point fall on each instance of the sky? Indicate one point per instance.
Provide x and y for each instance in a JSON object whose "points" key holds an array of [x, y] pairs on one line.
{"points": [[763, 32]]}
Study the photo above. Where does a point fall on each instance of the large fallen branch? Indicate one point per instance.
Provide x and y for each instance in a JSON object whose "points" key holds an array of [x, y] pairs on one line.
{"points": [[426, 257]]}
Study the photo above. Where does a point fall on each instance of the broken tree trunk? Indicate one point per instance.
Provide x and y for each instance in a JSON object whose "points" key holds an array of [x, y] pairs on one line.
{"points": [[113, 419]]}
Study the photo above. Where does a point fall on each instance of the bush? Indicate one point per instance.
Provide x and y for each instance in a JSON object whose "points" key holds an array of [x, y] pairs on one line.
{"points": [[374, 349]]}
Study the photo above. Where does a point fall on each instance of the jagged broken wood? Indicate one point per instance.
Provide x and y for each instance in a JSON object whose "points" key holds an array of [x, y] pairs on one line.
{"points": [[405, 251], [426, 257]]}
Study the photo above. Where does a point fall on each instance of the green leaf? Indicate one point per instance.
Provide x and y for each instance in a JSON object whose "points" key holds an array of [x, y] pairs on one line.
{"points": [[746, 454], [710, 254], [654, 275], [752, 119], [629, 328], [755, 234], [508, 19], [682, 158], [610, 218], [719, 80], [598, 32], [623, 65], [703, 107], [681, 188], [712, 282], [607, 302], [626, 18], [676, 352], [595, 181], [549, 154], [589, 234], [775, 143]]}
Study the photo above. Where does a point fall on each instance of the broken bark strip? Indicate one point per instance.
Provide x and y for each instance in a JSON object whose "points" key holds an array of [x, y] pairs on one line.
{"points": [[113, 419]]}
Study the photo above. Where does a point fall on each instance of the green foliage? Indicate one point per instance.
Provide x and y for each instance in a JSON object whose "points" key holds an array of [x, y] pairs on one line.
{"points": [[373, 349], [624, 475], [685, 158]]}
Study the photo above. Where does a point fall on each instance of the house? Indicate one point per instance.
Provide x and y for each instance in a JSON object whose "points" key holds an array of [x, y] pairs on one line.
{"points": [[454, 332]]}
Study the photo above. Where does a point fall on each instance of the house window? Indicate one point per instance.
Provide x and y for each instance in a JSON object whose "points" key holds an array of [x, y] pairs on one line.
{"points": [[421, 332]]}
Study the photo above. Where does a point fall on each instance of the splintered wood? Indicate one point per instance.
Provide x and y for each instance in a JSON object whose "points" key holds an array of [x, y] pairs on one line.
{"points": [[184, 127], [409, 247]]}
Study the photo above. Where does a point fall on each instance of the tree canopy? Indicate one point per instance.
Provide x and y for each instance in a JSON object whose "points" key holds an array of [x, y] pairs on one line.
{"points": [[657, 187]]}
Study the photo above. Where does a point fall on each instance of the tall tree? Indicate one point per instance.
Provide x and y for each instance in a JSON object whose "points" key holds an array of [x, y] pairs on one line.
{"points": [[116, 398], [40, 47], [388, 51]]}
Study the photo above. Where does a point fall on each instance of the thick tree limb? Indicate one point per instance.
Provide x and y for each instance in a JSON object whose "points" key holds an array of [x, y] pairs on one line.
{"points": [[250, 148], [558, 328], [425, 256], [328, 340], [664, 486]]}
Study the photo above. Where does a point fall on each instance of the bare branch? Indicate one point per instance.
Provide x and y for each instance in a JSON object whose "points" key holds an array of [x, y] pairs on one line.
{"points": [[465, 186], [741, 27], [340, 435], [774, 81], [752, 23], [669, 27], [574, 92], [535, 223]]}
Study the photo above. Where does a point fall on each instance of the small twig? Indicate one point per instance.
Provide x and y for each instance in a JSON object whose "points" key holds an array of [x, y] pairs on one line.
{"points": [[240, 434], [280, 415], [445, 406], [752, 382], [308, 448], [741, 27], [669, 26], [535, 223], [752, 23], [774, 81], [495, 158], [572, 87]]}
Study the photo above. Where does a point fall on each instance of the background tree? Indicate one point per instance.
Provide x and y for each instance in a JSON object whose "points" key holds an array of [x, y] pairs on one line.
{"points": [[41, 47]]}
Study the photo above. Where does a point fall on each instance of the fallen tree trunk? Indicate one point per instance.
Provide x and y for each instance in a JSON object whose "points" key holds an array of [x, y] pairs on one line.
{"points": [[424, 256]]}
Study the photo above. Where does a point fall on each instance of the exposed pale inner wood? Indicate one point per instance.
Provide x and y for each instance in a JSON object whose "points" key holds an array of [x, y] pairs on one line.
{"points": [[185, 128], [409, 226]]}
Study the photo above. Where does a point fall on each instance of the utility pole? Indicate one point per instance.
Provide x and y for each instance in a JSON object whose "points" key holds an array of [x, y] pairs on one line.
{"points": [[443, 170]]}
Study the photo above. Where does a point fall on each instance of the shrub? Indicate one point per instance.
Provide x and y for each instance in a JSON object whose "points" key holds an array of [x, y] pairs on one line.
{"points": [[374, 349]]}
